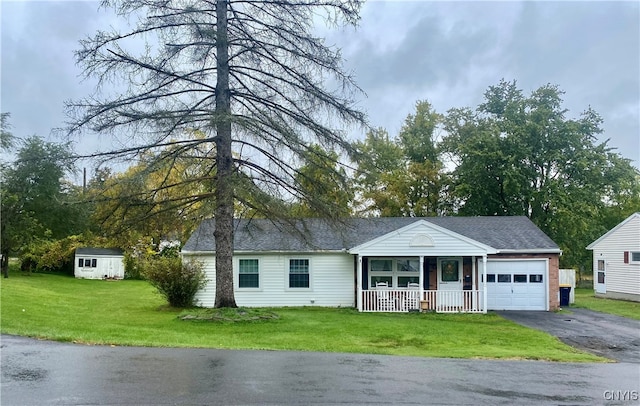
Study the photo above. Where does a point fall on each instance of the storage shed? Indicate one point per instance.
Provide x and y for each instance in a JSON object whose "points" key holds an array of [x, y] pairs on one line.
{"points": [[99, 263]]}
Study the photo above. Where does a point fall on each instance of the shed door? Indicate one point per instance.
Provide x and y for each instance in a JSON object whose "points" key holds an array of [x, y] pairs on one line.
{"points": [[517, 284]]}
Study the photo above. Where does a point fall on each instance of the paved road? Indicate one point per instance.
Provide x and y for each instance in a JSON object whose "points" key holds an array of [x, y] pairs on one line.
{"points": [[610, 336], [49, 373]]}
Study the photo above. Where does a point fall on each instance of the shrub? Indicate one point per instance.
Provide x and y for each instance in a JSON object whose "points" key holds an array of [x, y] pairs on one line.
{"points": [[178, 282], [57, 255], [132, 267]]}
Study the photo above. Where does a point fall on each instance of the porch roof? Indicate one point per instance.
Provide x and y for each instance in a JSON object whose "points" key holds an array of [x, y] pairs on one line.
{"points": [[504, 234]]}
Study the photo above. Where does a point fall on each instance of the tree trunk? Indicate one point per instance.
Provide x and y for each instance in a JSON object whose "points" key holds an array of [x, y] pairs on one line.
{"points": [[4, 264], [224, 164]]}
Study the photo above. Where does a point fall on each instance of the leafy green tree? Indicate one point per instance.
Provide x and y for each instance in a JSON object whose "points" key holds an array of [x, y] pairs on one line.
{"points": [[521, 155], [6, 143], [403, 176], [156, 197], [322, 178], [250, 74], [36, 201], [6, 136]]}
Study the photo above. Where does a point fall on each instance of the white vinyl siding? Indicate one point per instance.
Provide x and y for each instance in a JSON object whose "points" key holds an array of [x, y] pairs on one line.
{"points": [[332, 281], [620, 277]]}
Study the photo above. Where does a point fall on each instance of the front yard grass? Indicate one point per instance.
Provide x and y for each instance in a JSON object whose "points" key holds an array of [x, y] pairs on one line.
{"points": [[585, 298], [131, 313]]}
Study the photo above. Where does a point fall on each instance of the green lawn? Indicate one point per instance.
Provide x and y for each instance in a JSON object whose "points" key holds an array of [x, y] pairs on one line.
{"points": [[586, 299], [131, 313]]}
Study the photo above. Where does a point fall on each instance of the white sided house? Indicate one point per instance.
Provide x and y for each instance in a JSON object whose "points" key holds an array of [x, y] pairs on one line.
{"points": [[99, 263], [387, 264], [616, 261]]}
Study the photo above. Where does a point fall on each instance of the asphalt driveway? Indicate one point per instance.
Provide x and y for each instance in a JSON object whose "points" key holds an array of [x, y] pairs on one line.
{"points": [[609, 336]]}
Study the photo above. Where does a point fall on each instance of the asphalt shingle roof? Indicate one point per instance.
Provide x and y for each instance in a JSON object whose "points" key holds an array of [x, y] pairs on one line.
{"points": [[307, 235], [99, 251]]}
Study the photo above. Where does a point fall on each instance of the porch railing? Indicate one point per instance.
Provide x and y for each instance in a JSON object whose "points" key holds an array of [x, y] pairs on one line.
{"points": [[404, 300]]}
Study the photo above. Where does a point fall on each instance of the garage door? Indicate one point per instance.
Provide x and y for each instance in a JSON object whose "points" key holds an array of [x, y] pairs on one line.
{"points": [[516, 284]]}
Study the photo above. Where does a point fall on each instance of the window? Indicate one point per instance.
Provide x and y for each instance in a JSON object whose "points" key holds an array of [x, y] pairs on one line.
{"points": [[535, 278], [635, 257], [298, 273], [396, 272], [387, 279], [600, 277], [404, 281], [600, 265], [248, 273], [381, 265], [519, 278], [504, 278], [87, 262], [408, 265]]}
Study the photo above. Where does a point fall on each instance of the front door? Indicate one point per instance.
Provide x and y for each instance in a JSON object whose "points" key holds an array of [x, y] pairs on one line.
{"points": [[599, 281], [450, 282]]}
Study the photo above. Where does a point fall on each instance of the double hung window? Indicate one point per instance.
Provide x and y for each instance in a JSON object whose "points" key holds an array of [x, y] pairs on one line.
{"points": [[299, 273], [248, 273]]}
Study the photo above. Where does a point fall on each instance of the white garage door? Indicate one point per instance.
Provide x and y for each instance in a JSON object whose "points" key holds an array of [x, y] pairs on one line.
{"points": [[516, 284]]}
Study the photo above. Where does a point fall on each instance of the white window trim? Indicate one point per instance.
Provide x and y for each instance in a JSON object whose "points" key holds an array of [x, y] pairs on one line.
{"points": [[236, 275], [631, 261], [287, 263]]}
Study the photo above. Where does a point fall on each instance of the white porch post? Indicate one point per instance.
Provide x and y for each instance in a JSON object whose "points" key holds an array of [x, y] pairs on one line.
{"points": [[359, 282], [421, 278], [484, 283], [474, 286]]}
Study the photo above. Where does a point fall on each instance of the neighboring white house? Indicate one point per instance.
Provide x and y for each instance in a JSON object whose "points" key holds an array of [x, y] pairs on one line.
{"points": [[616, 261], [99, 263], [387, 264]]}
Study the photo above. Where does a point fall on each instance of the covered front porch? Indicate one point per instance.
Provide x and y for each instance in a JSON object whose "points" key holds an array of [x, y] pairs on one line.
{"points": [[421, 267], [403, 284]]}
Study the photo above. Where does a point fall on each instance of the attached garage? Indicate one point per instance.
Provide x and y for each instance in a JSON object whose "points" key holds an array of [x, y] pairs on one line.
{"points": [[517, 284]]}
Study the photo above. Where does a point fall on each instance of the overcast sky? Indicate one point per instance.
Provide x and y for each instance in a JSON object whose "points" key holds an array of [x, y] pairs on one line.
{"points": [[448, 53]]}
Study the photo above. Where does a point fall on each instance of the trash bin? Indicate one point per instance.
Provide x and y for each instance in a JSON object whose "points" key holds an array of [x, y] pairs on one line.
{"points": [[565, 295]]}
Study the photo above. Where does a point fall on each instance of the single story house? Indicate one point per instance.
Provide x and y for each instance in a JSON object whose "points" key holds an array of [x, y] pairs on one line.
{"points": [[616, 261], [99, 263], [387, 264]]}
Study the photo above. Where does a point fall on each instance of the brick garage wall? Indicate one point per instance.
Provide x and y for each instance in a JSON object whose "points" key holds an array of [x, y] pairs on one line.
{"points": [[554, 275]]}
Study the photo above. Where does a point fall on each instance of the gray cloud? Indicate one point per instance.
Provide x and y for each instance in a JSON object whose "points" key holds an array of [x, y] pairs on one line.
{"points": [[445, 52]]}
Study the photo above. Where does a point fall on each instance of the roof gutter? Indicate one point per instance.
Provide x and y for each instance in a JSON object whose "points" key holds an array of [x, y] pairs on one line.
{"points": [[531, 251]]}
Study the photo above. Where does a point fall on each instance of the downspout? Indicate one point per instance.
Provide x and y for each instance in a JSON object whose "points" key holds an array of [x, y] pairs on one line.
{"points": [[484, 283]]}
